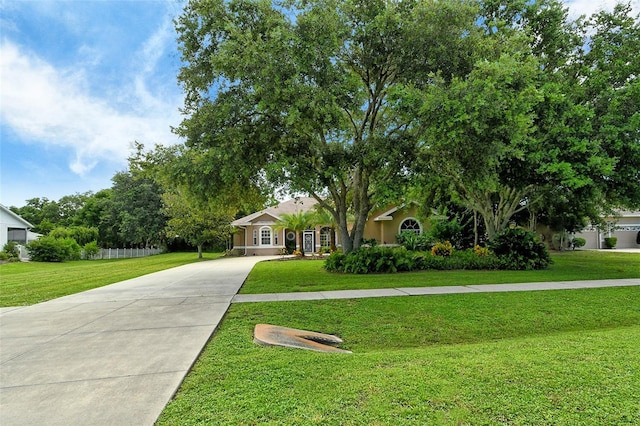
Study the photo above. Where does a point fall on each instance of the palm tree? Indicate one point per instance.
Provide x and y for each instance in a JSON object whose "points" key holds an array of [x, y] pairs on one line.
{"points": [[297, 222]]}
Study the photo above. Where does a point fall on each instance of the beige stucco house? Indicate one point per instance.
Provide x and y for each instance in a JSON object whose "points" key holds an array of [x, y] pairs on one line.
{"points": [[257, 234]]}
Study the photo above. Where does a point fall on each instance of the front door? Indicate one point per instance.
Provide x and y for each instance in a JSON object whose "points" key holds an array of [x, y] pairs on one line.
{"points": [[308, 242]]}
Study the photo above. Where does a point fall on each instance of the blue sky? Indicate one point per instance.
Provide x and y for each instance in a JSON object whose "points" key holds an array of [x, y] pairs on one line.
{"points": [[80, 81]]}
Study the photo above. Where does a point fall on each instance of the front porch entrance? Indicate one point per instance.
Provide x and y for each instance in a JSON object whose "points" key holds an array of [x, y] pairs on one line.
{"points": [[308, 241]]}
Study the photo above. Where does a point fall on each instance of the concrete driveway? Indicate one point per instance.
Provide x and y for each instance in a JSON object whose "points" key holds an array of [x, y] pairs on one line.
{"points": [[116, 354]]}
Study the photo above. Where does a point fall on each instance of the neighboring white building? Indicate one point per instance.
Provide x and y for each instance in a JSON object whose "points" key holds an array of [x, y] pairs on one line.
{"points": [[14, 228]]}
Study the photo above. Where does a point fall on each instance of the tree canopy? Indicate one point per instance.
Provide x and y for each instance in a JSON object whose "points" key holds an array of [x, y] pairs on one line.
{"points": [[507, 107], [543, 122], [317, 96]]}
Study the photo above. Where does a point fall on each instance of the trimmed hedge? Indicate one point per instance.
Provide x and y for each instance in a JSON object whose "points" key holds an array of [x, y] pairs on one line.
{"points": [[398, 259], [512, 249]]}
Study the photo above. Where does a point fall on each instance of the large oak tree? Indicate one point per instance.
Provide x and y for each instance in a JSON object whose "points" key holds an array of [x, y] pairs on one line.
{"points": [[318, 97]]}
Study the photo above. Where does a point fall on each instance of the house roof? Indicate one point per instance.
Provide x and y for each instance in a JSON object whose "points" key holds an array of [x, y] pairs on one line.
{"points": [[14, 216], [388, 215], [287, 207]]}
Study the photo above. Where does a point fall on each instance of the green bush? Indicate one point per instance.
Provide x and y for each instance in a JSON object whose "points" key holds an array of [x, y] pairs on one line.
{"points": [[414, 242], [370, 242], [49, 249], [578, 242], [520, 249], [91, 250], [82, 234], [335, 262], [447, 230], [387, 259], [10, 252], [610, 242], [367, 260], [460, 259]]}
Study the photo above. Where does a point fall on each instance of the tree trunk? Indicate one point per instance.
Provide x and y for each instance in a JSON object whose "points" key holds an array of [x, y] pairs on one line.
{"points": [[199, 251], [496, 208], [533, 221], [332, 240], [345, 238], [361, 207], [476, 238]]}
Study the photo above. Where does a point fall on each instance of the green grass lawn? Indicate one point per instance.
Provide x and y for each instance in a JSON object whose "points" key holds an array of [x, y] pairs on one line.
{"points": [[309, 275], [537, 358], [545, 357], [26, 283]]}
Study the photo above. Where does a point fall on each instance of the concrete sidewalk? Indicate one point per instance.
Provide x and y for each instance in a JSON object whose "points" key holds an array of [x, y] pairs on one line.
{"points": [[423, 291], [112, 355]]}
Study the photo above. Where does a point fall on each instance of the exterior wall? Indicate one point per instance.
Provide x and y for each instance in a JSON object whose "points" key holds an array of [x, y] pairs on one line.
{"points": [[385, 231], [626, 231], [8, 221], [244, 243]]}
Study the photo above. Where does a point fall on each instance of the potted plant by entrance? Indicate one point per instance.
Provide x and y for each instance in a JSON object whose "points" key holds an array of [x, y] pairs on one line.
{"points": [[610, 242]]}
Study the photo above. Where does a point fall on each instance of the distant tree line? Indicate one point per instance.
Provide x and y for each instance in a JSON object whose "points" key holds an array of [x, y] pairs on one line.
{"points": [[143, 208]]}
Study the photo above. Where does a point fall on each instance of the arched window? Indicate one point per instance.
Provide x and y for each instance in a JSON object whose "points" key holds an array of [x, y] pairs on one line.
{"points": [[411, 224], [265, 236], [325, 236]]}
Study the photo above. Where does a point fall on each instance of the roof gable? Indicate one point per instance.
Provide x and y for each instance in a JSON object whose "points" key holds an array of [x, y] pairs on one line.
{"points": [[388, 215], [293, 205], [12, 218]]}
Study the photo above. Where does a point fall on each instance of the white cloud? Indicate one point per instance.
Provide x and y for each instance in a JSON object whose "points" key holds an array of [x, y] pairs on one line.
{"points": [[149, 56], [53, 106], [589, 7]]}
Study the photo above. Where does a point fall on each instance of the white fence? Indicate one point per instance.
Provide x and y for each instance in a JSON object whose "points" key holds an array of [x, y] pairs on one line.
{"points": [[123, 253], [108, 253]]}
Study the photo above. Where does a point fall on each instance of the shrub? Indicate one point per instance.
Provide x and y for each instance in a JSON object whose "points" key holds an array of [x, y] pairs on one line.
{"points": [[447, 230], [610, 242], [367, 260], [578, 242], [519, 249], [370, 242], [387, 259], [481, 251], [49, 249], [91, 249], [459, 259], [335, 262], [82, 234], [442, 249], [10, 252], [414, 242]]}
